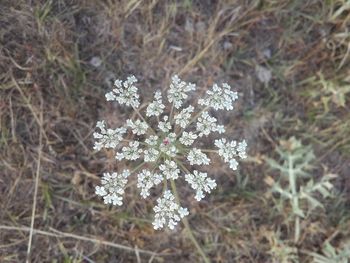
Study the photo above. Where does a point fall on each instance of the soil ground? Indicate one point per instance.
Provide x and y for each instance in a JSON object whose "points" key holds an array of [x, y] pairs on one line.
{"points": [[289, 60]]}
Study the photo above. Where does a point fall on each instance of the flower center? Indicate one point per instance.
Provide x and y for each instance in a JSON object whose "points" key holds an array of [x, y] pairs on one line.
{"points": [[166, 141]]}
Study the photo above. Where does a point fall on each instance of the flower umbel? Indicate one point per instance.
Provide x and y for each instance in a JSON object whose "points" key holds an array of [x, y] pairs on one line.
{"points": [[107, 138], [113, 186], [229, 150], [165, 146], [156, 107], [219, 98], [167, 211], [201, 183], [170, 170], [125, 92], [178, 91], [146, 180], [197, 157]]}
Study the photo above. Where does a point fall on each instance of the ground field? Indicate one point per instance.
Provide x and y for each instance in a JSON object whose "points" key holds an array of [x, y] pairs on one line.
{"points": [[289, 60]]}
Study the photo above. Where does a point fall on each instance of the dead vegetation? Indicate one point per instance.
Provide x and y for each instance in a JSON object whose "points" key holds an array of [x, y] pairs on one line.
{"points": [[288, 59]]}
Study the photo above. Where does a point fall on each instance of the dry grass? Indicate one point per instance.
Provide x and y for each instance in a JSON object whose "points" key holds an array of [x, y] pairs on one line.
{"points": [[51, 95]]}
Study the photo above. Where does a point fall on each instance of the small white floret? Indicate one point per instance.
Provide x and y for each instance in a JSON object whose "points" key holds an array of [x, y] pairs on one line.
{"points": [[167, 145], [201, 183], [146, 180], [107, 138], [177, 92], [228, 150], [220, 98], [137, 127], [152, 140], [241, 149], [233, 164], [168, 212], [207, 124], [170, 170], [156, 107], [151, 155], [164, 125], [183, 117], [188, 138], [125, 92], [130, 152], [196, 156], [112, 188]]}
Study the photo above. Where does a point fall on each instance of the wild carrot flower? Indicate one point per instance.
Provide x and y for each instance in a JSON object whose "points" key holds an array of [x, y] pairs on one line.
{"points": [[167, 211], [160, 144], [112, 187]]}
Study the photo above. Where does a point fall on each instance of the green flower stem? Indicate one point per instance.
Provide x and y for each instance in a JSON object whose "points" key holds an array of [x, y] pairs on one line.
{"points": [[297, 229], [209, 150], [137, 167], [295, 201], [165, 182], [182, 166], [171, 114], [126, 140], [165, 185], [187, 225]]}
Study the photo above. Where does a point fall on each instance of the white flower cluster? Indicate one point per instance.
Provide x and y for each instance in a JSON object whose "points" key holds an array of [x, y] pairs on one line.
{"points": [[107, 138], [229, 150], [183, 118], [178, 91], [207, 124], [196, 156], [125, 92], [113, 186], [201, 183], [130, 152], [167, 146], [138, 127], [164, 125], [168, 212], [188, 138], [156, 107], [146, 180], [170, 170], [219, 98], [163, 147]]}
